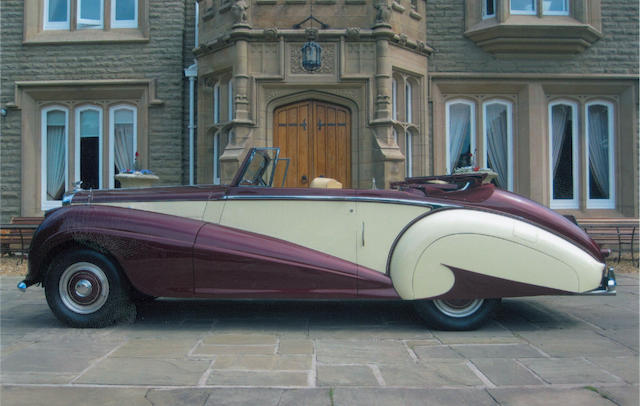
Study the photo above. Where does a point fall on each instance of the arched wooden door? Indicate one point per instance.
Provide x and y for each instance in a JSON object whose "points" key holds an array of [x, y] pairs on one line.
{"points": [[316, 137]]}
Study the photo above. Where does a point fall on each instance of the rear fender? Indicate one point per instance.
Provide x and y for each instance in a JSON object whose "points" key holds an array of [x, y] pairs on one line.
{"points": [[474, 254]]}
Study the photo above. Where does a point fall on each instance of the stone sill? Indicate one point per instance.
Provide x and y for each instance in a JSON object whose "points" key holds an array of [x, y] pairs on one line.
{"points": [[531, 35], [86, 36]]}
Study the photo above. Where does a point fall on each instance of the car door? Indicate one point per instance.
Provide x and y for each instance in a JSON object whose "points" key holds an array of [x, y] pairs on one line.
{"points": [[272, 242]]}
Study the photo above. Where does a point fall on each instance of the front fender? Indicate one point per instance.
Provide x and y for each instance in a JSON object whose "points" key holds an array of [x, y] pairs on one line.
{"points": [[474, 254], [155, 251]]}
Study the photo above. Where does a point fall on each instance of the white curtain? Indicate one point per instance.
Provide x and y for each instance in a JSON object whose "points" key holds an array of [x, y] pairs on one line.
{"points": [[497, 140], [599, 147], [56, 155], [559, 117], [124, 153], [459, 120]]}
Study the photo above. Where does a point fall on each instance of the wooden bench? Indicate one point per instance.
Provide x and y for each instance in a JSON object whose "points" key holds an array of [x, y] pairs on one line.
{"points": [[15, 237], [620, 233]]}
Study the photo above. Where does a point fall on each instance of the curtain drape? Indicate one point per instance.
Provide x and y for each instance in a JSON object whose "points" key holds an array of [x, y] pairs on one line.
{"points": [[599, 147], [124, 153], [559, 117], [498, 143], [56, 158], [459, 120]]}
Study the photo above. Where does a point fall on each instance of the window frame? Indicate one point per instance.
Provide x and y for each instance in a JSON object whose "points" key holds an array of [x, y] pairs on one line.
{"points": [[230, 112], [394, 99], [85, 24], [216, 103], [485, 152], [46, 204], [78, 136], [609, 203], [124, 23], [55, 25], [472, 128], [112, 128]]}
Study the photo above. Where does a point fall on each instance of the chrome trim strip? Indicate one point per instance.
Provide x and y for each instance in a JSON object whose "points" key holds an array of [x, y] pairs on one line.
{"points": [[343, 199]]}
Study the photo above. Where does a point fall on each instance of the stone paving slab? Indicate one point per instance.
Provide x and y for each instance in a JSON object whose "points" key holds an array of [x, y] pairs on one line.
{"points": [[547, 396], [66, 396], [144, 371], [259, 378], [361, 351], [501, 372], [432, 374], [569, 371], [263, 362], [411, 397], [346, 375]]}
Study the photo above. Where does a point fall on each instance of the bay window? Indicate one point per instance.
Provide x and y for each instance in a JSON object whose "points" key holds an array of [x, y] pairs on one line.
{"points": [[523, 7], [90, 13], [124, 13], [563, 154]]}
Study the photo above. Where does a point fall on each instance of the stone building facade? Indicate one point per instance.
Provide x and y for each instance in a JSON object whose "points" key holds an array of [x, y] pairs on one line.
{"points": [[543, 92], [76, 78]]}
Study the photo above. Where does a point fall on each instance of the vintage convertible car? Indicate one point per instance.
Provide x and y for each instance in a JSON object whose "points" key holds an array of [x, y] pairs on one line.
{"points": [[453, 245]]}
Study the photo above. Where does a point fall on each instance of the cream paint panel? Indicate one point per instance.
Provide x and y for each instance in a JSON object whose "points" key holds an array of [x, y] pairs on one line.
{"points": [[382, 225], [326, 226], [489, 244], [213, 211], [188, 209]]}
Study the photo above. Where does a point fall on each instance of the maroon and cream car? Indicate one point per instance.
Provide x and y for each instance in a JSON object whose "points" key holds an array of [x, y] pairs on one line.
{"points": [[453, 245]]}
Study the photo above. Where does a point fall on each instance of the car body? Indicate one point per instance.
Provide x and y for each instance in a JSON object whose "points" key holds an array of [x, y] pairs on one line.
{"points": [[454, 245]]}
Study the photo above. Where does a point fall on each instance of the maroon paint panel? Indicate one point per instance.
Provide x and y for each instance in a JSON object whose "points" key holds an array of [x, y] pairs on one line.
{"points": [[153, 250], [234, 263], [473, 285]]}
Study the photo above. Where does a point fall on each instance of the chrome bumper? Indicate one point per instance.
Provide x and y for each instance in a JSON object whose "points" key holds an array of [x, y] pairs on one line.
{"points": [[607, 287]]}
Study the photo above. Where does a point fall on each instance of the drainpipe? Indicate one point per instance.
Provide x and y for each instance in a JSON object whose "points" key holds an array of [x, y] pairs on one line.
{"points": [[192, 73]]}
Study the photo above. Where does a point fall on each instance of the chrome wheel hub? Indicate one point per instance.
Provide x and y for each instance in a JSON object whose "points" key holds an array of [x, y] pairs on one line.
{"points": [[458, 308], [83, 288]]}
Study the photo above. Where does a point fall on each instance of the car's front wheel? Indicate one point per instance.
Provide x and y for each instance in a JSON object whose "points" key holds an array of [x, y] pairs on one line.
{"points": [[85, 289], [456, 314]]}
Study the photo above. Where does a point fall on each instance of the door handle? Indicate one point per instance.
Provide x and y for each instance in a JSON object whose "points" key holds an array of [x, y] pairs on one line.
{"points": [[304, 179]]}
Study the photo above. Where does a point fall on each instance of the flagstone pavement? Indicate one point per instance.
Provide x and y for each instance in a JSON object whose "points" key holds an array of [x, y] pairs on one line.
{"points": [[536, 351]]}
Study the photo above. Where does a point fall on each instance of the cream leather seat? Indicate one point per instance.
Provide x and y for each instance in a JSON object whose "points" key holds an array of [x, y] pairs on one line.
{"points": [[325, 183]]}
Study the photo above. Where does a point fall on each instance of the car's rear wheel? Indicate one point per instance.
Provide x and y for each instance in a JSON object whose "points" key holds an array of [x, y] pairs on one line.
{"points": [[85, 289], [456, 314]]}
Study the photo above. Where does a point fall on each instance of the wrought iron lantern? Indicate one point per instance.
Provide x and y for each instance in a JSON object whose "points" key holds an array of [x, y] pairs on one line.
{"points": [[311, 56]]}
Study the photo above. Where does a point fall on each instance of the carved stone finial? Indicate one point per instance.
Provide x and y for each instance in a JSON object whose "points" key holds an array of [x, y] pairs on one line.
{"points": [[402, 39], [239, 12], [384, 12]]}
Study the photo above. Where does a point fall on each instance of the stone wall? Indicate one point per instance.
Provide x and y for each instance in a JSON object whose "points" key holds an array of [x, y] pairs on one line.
{"points": [[161, 58], [615, 53]]}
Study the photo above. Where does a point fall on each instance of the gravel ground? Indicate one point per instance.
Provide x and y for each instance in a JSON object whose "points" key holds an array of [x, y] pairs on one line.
{"points": [[13, 266]]}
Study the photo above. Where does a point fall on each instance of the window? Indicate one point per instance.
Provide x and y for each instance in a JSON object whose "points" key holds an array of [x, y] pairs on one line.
{"points": [[460, 134], [216, 103], [92, 21], [231, 113], [563, 151], [600, 155], [54, 155], [56, 14], [404, 128], [523, 7], [553, 27], [597, 171], [220, 142], [90, 13], [123, 143], [498, 141], [124, 13], [88, 147], [488, 8], [555, 7]]}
